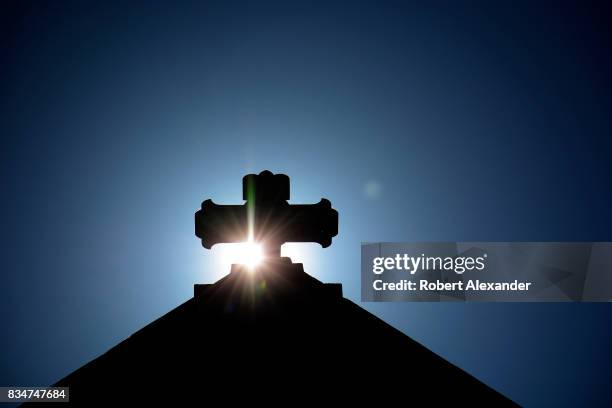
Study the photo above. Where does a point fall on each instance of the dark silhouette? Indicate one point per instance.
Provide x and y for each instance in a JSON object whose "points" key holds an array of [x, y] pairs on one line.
{"points": [[273, 335], [266, 217]]}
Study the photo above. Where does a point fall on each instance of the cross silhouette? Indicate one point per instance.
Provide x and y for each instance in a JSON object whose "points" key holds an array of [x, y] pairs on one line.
{"points": [[266, 217]]}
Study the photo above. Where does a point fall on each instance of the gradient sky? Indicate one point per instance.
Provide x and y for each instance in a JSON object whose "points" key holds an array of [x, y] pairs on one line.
{"points": [[435, 122]]}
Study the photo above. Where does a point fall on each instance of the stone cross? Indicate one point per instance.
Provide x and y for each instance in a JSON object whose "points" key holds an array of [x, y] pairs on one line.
{"points": [[266, 217]]}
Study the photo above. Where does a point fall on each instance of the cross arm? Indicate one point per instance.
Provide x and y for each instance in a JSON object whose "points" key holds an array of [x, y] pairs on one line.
{"points": [[215, 224], [271, 224]]}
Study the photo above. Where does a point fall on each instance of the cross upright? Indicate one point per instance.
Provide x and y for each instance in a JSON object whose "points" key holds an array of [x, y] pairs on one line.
{"points": [[266, 217]]}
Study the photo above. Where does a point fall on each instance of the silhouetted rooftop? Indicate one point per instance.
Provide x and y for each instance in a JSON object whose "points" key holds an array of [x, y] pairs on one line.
{"points": [[265, 335]]}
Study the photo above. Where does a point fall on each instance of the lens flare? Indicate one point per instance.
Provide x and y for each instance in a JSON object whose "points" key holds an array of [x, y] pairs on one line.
{"points": [[249, 254]]}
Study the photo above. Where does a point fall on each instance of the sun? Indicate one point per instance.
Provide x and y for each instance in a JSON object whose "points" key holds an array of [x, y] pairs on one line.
{"points": [[248, 253]]}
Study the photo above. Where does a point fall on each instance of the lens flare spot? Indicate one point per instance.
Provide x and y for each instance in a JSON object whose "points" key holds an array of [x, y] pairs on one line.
{"points": [[249, 254]]}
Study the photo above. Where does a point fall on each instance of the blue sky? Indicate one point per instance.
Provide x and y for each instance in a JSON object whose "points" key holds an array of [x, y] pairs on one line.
{"points": [[436, 122]]}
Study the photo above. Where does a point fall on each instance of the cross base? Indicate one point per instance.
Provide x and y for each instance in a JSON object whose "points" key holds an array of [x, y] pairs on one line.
{"points": [[272, 281]]}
